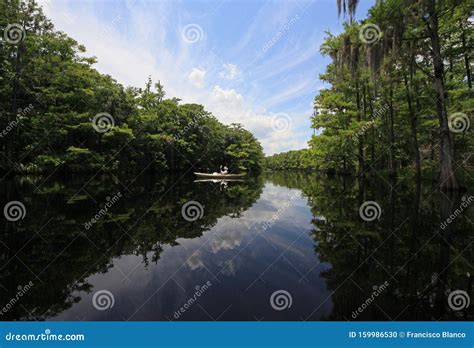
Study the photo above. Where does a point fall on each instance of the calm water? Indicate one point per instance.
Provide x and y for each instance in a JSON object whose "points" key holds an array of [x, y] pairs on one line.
{"points": [[298, 233]]}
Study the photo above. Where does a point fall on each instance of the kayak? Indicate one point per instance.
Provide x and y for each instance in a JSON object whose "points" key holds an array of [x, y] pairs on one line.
{"points": [[218, 180], [219, 176]]}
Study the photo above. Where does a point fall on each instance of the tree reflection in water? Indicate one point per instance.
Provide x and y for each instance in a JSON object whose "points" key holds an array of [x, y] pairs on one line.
{"points": [[320, 250], [52, 248], [407, 247]]}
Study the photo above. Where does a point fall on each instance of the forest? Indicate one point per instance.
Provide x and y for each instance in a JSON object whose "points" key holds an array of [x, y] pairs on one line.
{"points": [[399, 98], [60, 115], [92, 164]]}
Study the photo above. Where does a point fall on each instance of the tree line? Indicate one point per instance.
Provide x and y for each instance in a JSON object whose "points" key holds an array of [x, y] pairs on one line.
{"points": [[59, 114], [400, 95]]}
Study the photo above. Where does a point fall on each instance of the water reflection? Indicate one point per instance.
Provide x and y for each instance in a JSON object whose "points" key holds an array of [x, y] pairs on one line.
{"points": [[407, 247], [295, 232]]}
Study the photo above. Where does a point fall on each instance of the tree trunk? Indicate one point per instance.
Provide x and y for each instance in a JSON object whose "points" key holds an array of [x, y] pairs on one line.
{"points": [[447, 177], [360, 150], [466, 57], [10, 145], [413, 124], [392, 136], [372, 117]]}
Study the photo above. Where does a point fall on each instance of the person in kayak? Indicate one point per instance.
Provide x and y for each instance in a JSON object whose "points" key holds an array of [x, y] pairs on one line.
{"points": [[222, 171]]}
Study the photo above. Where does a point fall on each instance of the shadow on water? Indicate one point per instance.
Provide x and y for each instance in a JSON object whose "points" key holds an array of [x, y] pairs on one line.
{"points": [[157, 243]]}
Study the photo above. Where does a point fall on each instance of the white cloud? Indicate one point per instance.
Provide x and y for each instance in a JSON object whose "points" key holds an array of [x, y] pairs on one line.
{"points": [[276, 142], [288, 59], [226, 96], [196, 76], [227, 240], [144, 49], [230, 71], [290, 92], [232, 107], [265, 23], [194, 261]]}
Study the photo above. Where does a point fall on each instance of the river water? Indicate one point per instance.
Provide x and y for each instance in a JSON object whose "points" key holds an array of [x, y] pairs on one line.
{"points": [[281, 246]]}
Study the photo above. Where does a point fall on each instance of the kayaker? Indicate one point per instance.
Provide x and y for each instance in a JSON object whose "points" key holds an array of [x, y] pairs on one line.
{"points": [[225, 171]]}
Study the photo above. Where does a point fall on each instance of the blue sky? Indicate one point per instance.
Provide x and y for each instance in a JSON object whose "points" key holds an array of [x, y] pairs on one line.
{"points": [[252, 62]]}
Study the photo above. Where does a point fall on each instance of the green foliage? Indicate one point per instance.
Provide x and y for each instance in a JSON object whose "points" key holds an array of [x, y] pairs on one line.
{"points": [[382, 110], [243, 152], [47, 79], [297, 160]]}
